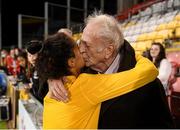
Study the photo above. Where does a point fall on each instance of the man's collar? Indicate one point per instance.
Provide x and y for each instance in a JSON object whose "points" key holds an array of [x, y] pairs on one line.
{"points": [[113, 68]]}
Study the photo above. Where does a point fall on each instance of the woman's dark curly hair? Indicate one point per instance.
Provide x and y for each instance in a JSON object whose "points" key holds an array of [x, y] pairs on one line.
{"points": [[52, 61], [161, 54]]}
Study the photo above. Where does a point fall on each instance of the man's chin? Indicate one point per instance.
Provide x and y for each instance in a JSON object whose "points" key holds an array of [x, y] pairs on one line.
{"points": [[88, 65]]}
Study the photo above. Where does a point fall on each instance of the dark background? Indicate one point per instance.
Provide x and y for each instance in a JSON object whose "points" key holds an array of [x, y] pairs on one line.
{"points": [[11, 8]]}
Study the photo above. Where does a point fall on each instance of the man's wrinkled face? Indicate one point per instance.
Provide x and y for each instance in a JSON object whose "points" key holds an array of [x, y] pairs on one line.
{"points": [[91, 47]]}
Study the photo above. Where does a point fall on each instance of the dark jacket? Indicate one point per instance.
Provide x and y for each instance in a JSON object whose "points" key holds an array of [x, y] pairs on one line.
{"points": [[21, 75], [145, 107], [38, 92]]}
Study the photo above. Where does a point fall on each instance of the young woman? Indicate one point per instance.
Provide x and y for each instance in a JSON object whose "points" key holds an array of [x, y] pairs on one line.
{"points": [[60, 58], [158, 57]]}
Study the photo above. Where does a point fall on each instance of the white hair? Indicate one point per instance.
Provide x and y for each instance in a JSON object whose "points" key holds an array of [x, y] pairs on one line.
{"points": [[108, 28]]}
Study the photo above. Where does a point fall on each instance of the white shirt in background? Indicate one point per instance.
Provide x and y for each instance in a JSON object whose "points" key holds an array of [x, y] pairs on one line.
{"points": [[165, 69]]}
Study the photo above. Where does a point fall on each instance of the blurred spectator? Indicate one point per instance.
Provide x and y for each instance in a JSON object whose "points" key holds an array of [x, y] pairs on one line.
{"points": [[146, 53], [16, 52], [3, 61], [33, 48], [158, 57], [12, 63], [22, 70]]}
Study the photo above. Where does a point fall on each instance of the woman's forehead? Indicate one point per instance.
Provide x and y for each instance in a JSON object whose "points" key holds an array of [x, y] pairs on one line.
{"points": [[155, 46]]}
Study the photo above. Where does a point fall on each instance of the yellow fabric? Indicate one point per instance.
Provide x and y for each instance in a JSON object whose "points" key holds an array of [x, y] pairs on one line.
{"points": [[177, 33], [87, 93]]}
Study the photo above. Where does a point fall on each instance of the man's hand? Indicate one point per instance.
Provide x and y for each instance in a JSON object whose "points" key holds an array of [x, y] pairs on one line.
{"points": [[57, 90]]}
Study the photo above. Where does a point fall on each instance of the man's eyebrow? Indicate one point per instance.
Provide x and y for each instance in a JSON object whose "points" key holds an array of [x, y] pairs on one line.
{"points": [[85, 42]]}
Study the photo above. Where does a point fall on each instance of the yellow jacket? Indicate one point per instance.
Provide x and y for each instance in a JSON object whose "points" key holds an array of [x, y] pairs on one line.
{"points": [[87, 93]]}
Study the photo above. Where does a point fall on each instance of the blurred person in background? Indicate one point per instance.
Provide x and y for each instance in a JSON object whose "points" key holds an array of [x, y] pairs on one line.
{"points": [[3, 60], [17, 51], [22, 70], [158, 57], [12, 63], [4, 54], [33, 48]]}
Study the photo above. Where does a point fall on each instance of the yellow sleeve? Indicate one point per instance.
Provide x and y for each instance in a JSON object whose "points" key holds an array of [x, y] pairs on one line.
{"points": [[101, 87]]}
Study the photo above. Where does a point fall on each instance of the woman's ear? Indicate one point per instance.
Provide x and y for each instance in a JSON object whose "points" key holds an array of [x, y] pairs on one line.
{"points": [[71, 62]]}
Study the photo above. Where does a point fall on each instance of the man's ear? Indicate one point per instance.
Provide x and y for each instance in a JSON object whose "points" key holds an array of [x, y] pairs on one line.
{"points": [[71, 62], [109, 51]]}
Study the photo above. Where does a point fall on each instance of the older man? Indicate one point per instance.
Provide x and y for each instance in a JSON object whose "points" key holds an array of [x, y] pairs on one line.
{"points": [[105, 51]]}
